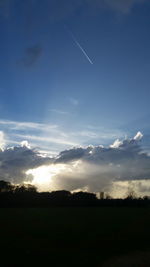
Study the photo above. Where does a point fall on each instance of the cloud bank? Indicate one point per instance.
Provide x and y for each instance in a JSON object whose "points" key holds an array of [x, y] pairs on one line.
{"points": [[97, 167], [93, 168]]}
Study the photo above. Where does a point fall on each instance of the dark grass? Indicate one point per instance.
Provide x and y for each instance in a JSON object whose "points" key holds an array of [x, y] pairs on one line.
{"points": [[71, 236]]}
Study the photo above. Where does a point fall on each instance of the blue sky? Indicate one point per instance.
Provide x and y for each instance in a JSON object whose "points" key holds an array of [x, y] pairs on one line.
{"points": [[75, 75], [47, 83]]}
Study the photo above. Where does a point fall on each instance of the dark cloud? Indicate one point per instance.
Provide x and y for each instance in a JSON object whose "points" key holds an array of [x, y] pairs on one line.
{"points": [[117, 152], [32, 55], [14, 162], [98, 167], [72, 154]]}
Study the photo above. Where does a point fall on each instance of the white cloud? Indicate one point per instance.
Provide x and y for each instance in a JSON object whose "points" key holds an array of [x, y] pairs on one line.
{"points": [[95, 135], [74, 101], [37, 134], [58, 111], [54, 137], [138, 136], [46, 139], [116, 144], [25, 144], [85, 133], [2, 140], [16, 125]]}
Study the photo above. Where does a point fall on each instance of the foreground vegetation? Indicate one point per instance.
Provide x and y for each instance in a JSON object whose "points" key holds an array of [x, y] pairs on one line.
{"points": [[74, 236], [70, 229]]}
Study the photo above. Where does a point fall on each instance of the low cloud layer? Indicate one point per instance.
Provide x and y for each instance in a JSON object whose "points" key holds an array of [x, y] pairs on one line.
{"points": [[99, 167], [93, 168]]}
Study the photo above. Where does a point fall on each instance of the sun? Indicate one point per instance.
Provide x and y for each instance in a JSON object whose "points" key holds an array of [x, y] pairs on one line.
{"points": [[42, 176]]}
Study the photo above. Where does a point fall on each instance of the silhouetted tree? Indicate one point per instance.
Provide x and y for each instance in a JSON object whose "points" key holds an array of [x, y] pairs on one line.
{"points": [[28, 188], [6, 186], [131, 194], [146, 198], [26, 195], [31, 188]]}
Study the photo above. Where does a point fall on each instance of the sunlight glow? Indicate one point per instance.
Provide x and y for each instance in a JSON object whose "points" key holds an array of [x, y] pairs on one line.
{"points": [[42, 176]]}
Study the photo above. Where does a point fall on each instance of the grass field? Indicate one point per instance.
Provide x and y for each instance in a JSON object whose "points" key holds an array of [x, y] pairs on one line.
{"points": [[71, 236]]}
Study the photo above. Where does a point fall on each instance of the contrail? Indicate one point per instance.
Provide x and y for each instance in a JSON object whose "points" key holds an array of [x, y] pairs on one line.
{"points": [[80, 47]]}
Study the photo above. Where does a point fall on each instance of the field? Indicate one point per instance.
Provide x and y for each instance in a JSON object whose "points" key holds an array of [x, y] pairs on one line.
{"points": [[72, 236]]}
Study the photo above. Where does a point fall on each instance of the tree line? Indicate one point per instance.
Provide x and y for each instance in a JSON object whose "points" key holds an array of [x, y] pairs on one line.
{"points": [[26, 195]]}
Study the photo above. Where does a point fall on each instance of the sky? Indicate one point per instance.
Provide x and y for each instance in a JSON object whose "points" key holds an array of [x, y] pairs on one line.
{"points": [[74, 74]]}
